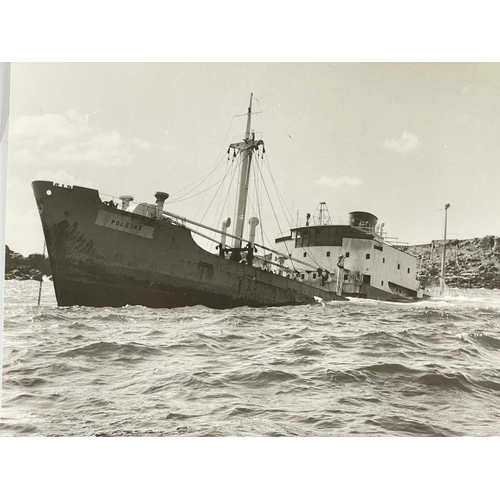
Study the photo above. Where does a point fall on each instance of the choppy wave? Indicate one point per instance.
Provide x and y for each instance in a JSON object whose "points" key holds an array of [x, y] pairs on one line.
{"points": [[357, 368]]}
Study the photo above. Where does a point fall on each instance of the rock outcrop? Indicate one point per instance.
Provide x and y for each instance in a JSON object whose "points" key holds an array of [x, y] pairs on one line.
{"points": [[32, 267], [473, 263]]}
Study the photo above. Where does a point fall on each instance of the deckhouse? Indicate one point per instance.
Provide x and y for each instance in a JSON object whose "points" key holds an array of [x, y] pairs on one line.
{"points": [[353, 257]]}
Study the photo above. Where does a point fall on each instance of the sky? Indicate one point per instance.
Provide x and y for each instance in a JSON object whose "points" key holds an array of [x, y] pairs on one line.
{"points": [[399, 140]]}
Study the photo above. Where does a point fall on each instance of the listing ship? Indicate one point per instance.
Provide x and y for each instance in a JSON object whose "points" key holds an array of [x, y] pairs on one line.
{"points": [[116, 253]]}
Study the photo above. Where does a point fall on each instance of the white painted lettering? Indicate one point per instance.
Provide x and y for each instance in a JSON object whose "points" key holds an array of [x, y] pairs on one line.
{"points": [[123, 223]]}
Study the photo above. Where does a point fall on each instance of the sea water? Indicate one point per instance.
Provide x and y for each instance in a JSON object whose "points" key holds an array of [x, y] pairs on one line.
{"points": [[356, 368]]}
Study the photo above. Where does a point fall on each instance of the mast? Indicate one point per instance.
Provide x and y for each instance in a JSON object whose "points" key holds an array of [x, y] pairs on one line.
{"points": [[446, 207], [322, 215], [246, 148]]}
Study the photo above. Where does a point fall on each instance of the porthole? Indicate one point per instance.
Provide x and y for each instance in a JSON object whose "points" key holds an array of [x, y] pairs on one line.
{"points": [[49, 192]]}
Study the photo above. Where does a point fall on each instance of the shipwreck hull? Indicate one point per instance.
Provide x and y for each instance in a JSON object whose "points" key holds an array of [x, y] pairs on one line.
{"points": [[103, 256]]}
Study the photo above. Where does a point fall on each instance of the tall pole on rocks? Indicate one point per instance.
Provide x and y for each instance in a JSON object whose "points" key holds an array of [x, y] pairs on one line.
{"points": [[446, 207]]}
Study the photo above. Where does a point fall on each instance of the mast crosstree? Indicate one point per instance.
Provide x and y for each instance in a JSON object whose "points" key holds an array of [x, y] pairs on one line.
{"points": [[246, 148]]}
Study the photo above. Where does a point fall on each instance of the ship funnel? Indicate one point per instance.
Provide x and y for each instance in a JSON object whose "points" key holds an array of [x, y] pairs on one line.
{"points": [[225, 224], [254, 222], [160, 200], [126, 199], [363, 219]]}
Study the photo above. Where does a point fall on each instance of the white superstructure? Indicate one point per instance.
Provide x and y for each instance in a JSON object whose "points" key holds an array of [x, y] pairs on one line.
{"points": [[355, 253]]}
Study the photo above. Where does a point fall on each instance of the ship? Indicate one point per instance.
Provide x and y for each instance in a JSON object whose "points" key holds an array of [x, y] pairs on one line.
{"points": [[117, 252]]}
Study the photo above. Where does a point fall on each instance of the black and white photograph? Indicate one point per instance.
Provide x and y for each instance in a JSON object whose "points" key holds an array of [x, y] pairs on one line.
{"points": [[256, 268], [186, 258]]}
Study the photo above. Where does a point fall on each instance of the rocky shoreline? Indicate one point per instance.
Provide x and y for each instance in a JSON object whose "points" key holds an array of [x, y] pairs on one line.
{"points": [[472, 263], [18, 267]]}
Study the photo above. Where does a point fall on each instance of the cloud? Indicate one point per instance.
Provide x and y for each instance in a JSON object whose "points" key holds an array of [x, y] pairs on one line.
{"points": [[339, 182], [407, 142], [140, 143], [68, 138], [48, 128]]}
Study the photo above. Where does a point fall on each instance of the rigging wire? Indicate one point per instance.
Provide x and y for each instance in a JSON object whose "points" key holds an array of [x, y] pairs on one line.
{"points": [[304, 151], [198, 182], [228, 194], [208, 176], [234, 168], [260, 214], [201, 192], [298, 144], [201, 203], [264, 237], [224, 142], [272, 208], [258, 185], [218, 204], [255, 201], [281, 200], [213, 199], [310, 254], [280, 197]]}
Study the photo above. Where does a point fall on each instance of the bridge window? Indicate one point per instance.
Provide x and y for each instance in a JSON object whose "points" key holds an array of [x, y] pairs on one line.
{"points": [[305, 237], [305, 254], [399, 266], [298, 239], [347, 255], [367, 256], [408, 270], [381, 283], [328, 254]]}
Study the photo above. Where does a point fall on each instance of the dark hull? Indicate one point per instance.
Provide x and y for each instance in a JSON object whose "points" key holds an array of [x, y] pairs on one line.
{"points": [[103, 256], [373, 293]]}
